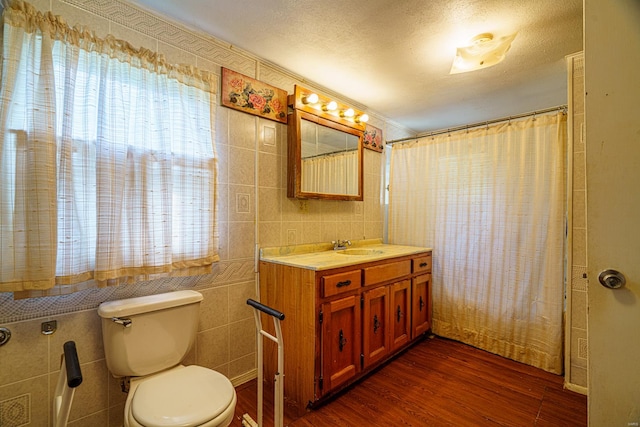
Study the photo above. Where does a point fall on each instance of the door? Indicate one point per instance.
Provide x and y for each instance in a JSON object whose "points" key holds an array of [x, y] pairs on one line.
{"points": [[421, 305], [340, 341], [375, 321], [612, 107], [400, 311]]}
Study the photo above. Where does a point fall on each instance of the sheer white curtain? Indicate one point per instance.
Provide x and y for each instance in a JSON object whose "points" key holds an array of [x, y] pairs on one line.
{"points": [[107, 162], [491, 203], [331, 173]]}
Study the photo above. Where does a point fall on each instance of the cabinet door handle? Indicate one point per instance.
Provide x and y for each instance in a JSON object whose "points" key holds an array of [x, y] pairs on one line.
{"points": [[342, 284], [376, 323], [399, 313], [423, 264], [342, 341], [421, 303]]}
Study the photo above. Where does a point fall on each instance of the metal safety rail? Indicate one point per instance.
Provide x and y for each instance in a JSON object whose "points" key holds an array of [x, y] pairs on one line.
{"points": [[278, 398], [69, 378]]}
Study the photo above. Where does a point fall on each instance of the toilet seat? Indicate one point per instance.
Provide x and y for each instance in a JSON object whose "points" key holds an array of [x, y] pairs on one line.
{"points": [[182, 396]]}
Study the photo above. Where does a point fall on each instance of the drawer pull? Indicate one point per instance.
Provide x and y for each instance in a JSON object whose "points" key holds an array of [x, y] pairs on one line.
{"points": [[423, 264], [376, 323], [421, 303], [399, 313], [342, 341], [342, 284]]}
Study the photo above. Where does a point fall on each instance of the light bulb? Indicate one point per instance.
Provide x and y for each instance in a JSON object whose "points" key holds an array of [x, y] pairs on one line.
{"points": [[312, 98], [364, 118], [330, 106], [347, 113]]}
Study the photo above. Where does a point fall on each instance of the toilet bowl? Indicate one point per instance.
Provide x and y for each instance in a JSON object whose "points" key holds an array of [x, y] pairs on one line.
{"points": [[145, 339], [181, 396]]}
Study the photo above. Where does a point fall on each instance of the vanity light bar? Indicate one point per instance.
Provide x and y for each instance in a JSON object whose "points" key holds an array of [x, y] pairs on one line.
{"points": [[314, 103]]}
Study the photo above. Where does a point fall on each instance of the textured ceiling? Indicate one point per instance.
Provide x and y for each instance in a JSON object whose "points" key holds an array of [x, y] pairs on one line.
{"points": [[394, 56]]}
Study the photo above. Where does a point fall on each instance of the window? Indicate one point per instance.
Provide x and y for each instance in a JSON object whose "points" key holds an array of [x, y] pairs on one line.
{"points": [[107, 161]]}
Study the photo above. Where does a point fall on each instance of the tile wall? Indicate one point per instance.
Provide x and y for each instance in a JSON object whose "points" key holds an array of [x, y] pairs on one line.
{"points": [[254, 211], [577, 289]]}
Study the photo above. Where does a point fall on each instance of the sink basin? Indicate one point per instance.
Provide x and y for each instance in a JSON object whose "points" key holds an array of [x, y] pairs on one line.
{"points": [[356, 251]]}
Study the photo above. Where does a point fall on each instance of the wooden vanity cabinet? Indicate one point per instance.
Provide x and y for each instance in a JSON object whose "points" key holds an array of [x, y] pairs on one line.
{"points": [[342, 322]]}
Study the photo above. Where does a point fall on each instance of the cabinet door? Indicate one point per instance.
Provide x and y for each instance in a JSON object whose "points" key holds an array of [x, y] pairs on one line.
{"points": [[340, 353], [400, 310], [421, 305], [375, 325]]}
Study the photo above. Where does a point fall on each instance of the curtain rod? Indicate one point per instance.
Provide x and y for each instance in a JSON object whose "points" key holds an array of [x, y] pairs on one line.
{"points": [[333, 153], [475, 125]]}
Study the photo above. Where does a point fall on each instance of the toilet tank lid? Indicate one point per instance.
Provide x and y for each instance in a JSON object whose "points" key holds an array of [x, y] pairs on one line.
{"points": [[137, 305]]}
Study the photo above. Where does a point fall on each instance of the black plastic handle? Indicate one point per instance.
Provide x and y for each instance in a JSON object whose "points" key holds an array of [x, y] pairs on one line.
{"points": [[423, 264], [74, 374], [265, 309]]}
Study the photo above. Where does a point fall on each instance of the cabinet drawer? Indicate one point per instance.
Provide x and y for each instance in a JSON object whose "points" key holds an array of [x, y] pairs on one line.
{"points": [[422, 264], [342, 282], [385, 272]]}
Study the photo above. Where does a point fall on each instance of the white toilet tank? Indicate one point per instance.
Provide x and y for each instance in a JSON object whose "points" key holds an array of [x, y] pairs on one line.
{"points": [[149, 334]]}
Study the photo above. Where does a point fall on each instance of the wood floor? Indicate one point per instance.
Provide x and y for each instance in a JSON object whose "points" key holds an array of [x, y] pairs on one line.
{"points": [[439, 382]]}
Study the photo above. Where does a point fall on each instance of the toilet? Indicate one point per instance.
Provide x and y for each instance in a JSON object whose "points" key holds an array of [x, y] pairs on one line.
{"points": [[145, 339]]}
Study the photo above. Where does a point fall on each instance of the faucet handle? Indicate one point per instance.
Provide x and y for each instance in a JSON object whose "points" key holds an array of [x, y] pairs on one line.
{"points": [[340, 244]]}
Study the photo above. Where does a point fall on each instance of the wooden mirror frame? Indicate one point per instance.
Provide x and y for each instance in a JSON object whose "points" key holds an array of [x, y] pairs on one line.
{"points": [[294, 151]]}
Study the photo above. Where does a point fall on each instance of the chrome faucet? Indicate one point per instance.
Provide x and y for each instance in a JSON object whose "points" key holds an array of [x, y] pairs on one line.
{"points": [[340, 244]]}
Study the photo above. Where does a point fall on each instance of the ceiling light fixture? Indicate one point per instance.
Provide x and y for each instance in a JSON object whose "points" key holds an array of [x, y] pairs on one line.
{"points": [[483, 51]]}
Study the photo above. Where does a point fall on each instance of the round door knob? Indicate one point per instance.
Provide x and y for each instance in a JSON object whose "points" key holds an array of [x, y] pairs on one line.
{"points": [[612, 279]]}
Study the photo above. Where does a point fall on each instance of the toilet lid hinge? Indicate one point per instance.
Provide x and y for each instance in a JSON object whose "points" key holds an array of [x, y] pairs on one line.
{"points": [[124, 385]]}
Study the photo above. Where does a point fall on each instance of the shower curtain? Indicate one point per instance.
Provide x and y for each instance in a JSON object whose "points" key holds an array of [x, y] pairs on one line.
{"points": [[491, 204]]}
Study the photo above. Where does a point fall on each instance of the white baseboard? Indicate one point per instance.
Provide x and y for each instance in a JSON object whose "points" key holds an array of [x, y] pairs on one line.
{"points": [[577, 388]]}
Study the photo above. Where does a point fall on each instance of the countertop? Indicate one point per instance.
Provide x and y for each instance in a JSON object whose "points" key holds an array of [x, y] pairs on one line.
{"points": [[321, 256]]}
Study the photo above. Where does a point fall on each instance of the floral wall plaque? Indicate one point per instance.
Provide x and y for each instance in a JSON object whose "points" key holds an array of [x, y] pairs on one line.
{"points": [[243, 93], [373, 138]]}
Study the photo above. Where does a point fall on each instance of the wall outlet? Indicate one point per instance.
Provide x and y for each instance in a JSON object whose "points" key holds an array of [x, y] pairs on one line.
{"points": [[303, 207]]}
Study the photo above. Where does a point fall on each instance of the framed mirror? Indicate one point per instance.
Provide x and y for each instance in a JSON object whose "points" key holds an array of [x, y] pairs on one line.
{"points": [[325, 146], [324, 159]]}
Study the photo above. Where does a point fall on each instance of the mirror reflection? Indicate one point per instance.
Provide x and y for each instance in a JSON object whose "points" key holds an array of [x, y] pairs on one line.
{"points": [[330, 160]]}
